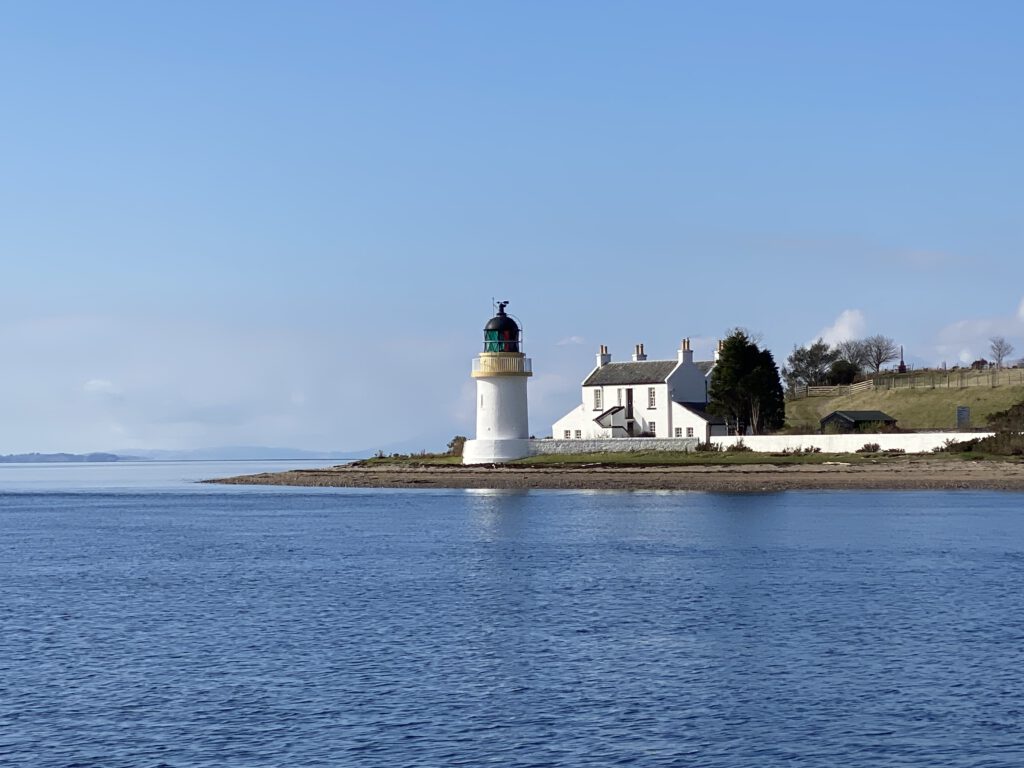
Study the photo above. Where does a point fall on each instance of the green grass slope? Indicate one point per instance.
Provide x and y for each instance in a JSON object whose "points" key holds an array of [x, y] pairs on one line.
{"points": [[912, 408]]}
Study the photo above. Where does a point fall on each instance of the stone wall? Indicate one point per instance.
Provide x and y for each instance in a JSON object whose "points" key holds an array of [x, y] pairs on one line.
{"points": [[611, 445], [911, 442]]}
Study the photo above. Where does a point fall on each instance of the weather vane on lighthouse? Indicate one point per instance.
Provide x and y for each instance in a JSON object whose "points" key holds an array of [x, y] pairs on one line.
{"points": [[501, 371]]}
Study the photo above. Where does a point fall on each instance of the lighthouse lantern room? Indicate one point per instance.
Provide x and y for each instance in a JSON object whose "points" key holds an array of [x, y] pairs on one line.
{"points": [[501, 371]]}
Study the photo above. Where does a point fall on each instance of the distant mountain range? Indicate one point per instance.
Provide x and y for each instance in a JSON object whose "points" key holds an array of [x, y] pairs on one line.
{"points": [[48, 458], [222, 453], [238, 453]]}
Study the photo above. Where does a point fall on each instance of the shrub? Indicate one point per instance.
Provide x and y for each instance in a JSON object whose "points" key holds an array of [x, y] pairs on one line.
{"points": [[708, 446], [1003, 444], [869, 448], [739, 447], [956, 446], [456, 444], [801, 451]]}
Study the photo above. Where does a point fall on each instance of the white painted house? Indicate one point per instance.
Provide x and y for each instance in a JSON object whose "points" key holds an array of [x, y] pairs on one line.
{"points": [[644, 398]]}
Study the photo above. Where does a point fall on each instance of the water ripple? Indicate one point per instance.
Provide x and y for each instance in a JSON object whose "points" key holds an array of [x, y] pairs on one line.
{"points": [[540, 629]]}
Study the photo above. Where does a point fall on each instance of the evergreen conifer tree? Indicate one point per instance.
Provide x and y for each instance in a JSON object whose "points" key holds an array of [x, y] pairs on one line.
{"points": [[745, 388]]}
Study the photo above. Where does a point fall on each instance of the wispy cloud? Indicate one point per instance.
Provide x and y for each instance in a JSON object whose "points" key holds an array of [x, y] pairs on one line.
{"points": [[969, 339], [101, 387], [570, 340], [923, 258], [850, 324]]}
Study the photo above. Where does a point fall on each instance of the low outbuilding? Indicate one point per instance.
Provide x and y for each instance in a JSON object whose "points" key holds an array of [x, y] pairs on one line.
{"points": [[856, 421]]}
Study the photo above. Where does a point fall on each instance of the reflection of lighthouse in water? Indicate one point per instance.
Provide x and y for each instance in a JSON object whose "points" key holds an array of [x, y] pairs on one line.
{"points": [[501, 371]]}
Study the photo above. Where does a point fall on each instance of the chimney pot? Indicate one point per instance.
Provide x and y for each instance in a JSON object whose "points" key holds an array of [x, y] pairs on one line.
{"points": [[685, 353]]}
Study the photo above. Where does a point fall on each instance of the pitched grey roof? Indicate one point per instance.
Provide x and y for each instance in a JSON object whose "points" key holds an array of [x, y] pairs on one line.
{"points": [[857, 416], [705, 365], [642, 372], [701, 409]]}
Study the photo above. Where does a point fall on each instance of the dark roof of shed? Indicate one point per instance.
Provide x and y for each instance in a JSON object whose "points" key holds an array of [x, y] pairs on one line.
{"points": [[701, 409], [640, 372], [857, 416]]}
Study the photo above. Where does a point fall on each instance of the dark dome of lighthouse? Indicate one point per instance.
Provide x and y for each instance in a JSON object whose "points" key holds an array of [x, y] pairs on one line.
{"points": [[501, 334], [501, 321]]}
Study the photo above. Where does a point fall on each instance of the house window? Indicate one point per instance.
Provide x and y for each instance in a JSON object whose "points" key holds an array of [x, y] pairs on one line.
{"points": [[653, 428], [650, 397], [679, 431], [567, 434], [579, 434], [597, 399], [689, 431], [619, 393]]}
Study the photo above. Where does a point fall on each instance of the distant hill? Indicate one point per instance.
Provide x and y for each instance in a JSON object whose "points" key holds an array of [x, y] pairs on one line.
{"points": [[914, 407], [53, 458], [242, 453]]}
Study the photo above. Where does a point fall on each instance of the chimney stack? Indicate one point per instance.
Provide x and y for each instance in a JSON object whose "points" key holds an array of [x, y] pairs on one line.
{"points": [[603, 358], [718, 349], [639, 354], [685, 353]]}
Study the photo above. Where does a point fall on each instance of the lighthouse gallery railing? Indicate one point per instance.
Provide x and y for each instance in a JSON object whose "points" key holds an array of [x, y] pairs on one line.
{"points": [[486, 364]]}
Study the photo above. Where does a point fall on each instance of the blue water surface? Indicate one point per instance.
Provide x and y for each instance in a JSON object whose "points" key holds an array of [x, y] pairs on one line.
{"points": [[191, 627]]}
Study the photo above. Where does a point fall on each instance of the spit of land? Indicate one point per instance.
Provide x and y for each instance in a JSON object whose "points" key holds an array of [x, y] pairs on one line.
{"points": [[728, 474]]}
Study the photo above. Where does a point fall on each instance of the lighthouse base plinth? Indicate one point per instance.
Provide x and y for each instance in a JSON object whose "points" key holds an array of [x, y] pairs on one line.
{"points": [[495, 451]]}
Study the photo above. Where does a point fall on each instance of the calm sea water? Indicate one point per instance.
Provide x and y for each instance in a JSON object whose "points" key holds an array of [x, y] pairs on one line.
{"points": [[176, 625]]}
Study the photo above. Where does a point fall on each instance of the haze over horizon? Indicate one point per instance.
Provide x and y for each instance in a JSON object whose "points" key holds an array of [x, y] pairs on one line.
{"points": [[268, 224]]}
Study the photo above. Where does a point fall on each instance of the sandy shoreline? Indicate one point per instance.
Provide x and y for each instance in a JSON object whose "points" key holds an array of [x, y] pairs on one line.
{"points": [[907, 474]]}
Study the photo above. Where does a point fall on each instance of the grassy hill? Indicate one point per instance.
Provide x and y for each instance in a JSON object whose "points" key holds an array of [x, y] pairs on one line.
{"points": [[912, 408]]}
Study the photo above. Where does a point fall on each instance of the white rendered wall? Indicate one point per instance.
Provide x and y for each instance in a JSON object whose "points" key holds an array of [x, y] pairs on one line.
{"points": [[687, 384], [660, 414], [579, 419], [667, 415], [684, 418], [911, 442], [501, 411]]}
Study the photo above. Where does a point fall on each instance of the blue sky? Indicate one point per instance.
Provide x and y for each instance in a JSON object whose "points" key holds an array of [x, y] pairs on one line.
{"points": [[283, 223]]}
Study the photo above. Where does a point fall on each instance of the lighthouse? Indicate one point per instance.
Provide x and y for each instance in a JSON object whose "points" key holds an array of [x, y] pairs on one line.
{"points": [[501, 371]]}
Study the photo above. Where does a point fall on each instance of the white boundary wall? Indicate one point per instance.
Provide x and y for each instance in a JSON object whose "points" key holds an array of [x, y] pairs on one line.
{"points": [[911, 442], [498, 451]]}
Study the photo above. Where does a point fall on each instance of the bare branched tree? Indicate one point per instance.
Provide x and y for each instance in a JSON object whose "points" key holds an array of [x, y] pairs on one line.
{"points": [[1001, 349], [880, 350], [853, 351]]}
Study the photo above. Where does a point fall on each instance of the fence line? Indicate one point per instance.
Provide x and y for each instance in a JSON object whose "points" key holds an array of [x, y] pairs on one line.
{"points": [[918, 380], [834, 390], [951, 379]]}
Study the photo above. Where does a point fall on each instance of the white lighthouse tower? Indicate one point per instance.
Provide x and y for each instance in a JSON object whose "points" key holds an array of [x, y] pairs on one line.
{"points": [[501, 371]]}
